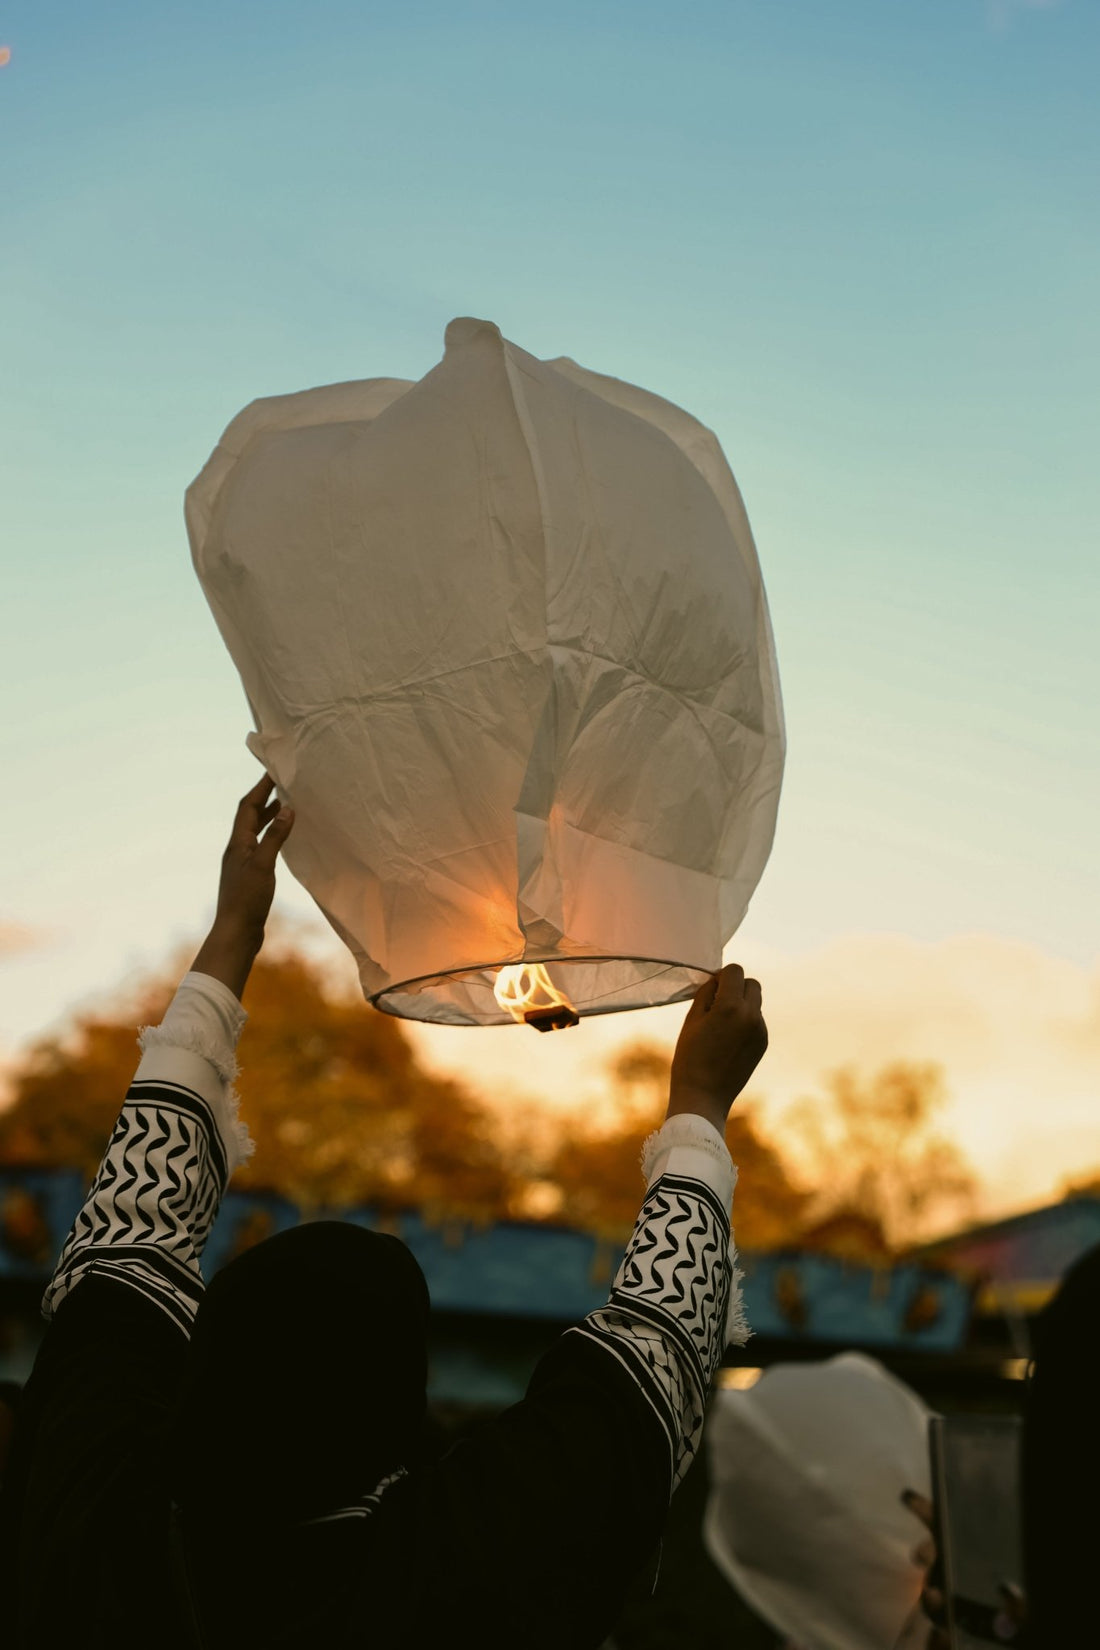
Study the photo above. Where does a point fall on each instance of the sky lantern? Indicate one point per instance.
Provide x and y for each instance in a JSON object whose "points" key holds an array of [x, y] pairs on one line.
{"points": [[507, 651]]}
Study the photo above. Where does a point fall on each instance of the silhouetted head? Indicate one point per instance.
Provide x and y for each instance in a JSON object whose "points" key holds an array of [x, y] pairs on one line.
{"points": [[1060, 1461], [306, 1376]]}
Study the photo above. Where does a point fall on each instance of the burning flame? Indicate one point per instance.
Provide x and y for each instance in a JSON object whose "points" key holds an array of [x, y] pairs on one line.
{"points": [[530, 996]]}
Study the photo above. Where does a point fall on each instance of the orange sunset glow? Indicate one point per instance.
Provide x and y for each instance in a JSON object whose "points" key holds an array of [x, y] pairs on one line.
{"points": [[535, 519]]}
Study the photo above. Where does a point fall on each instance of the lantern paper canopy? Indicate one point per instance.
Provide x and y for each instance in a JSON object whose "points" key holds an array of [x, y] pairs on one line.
{"points": [[507, 650]]}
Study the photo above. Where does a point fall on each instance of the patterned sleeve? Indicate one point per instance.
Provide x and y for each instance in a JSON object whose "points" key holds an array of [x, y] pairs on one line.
{"points": [[177, 1141], [676, 1303]]}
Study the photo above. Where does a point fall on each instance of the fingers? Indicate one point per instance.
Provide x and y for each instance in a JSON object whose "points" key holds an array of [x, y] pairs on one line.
{"points": [[735, 990], [729, 989], [920, 1505], [1015, 1602], [258, 795], [924, 1554], [932, 1603], [250, 809], [267, 852], [703, 999]]}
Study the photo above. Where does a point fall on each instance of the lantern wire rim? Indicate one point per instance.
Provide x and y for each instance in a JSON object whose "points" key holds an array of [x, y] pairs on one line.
{"points": [[418, 986]]}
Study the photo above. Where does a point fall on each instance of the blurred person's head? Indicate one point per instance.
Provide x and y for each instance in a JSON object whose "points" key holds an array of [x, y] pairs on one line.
{"points": [[1061, 1463], [306, 1376], [804, 1517]]}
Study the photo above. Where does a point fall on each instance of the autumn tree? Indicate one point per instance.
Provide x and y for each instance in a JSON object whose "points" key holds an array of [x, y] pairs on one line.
{"points": [[885, 1176], [597, 1164], [1077, 1186], [340, 1108], [344, 1114], [67, 1089]]}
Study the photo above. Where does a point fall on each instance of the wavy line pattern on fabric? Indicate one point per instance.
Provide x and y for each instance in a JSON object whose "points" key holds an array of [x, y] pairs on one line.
{"points": [[666, 1317], [149, 1210], [364, 1508]]}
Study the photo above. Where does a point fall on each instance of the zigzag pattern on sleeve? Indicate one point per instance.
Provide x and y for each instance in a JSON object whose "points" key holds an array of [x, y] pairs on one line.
{"points": [[666, 1317], [364, 1508], [149, 1210]]}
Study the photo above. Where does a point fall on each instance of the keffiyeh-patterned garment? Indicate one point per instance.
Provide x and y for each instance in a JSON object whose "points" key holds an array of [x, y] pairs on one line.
{"points": [[532, 1528], [177, 1141], [676, 1300]]}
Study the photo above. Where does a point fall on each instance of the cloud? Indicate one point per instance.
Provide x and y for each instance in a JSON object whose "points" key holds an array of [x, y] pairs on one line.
{"points": [[1016, 1030]]}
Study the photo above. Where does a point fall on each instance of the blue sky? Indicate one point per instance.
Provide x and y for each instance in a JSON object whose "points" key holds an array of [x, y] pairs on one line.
{"points": [[860, 240]]}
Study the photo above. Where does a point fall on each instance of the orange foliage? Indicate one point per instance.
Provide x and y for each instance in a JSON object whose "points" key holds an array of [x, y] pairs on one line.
{"points": [[340, 1109], [598, 1167], [885, 1174], [1081, 1186], [67, 1090], [343, 1114]]}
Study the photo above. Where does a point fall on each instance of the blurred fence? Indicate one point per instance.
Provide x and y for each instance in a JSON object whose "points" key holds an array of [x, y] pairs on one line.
{"points": [[540, 1274]]}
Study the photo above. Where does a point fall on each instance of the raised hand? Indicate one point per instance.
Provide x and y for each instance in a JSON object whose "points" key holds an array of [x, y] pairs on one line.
{"points": [[246, 887], [721, 1043]]}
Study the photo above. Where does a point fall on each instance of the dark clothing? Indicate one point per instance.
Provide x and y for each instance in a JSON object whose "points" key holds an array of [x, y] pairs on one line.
{"points": [[84, 1510], [525, 1535], [341, 1313], [1061, 1466], [528, 1533], [531, 1529]]}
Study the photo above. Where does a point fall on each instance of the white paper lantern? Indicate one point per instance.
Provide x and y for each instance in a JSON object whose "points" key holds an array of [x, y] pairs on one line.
{"points": [[508, 654]]}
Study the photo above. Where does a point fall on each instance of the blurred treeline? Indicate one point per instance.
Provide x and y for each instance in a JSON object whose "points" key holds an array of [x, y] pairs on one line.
{"points": [[344, 1113]]}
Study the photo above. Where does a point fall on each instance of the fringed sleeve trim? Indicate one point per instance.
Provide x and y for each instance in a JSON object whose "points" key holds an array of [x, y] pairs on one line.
{"points": [[205, 1018]]}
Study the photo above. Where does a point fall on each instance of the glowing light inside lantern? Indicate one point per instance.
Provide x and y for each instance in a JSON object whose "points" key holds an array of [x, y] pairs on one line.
{"points": [[529, 995]]}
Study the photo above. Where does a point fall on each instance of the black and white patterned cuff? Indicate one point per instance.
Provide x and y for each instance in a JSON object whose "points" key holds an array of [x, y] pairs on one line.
{"points": [[689, 1146], [149, 1210], [364, 1508], [700, 1152], [667, 1316], [205, 1019]]}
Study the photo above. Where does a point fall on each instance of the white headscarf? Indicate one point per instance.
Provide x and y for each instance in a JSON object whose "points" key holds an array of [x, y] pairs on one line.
{"points": [[804, 1519]]}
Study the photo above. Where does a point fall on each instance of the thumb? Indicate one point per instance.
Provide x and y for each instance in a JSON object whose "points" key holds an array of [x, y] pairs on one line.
{"points": [[273, 838]]}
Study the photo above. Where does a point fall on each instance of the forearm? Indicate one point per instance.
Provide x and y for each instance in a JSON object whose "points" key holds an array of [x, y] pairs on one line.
{"points": [[676, 1303], [227, 955], [177, 1141], [698, 1103]]}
